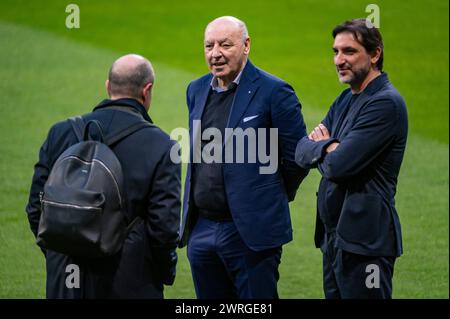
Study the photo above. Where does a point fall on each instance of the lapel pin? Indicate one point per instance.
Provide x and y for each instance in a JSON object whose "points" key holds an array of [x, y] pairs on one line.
{"points": [[249, 92]]}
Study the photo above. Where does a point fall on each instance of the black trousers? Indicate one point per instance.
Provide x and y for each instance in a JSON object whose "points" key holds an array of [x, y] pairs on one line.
{"points": [[99, 278], [351, 276]]}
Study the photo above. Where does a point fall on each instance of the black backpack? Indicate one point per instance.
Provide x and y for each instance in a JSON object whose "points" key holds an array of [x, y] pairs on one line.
{"points": [[83, 209]]}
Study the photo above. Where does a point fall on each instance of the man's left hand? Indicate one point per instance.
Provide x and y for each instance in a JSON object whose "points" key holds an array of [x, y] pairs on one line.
{"points": [[319, 133]]}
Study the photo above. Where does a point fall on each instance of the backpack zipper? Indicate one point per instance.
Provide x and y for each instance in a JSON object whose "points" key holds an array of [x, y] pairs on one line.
{"points": [[70, 205]]}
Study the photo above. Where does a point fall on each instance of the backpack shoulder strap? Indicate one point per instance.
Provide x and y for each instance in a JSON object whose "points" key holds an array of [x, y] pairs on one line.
{"points": [[110, 140], [78, 127], [77, 124]]}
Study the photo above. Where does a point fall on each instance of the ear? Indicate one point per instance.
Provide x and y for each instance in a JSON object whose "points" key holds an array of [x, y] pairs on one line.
{"points": [[147, 95], [147, 88], [108, 88], [375, 56], [247, 46]]}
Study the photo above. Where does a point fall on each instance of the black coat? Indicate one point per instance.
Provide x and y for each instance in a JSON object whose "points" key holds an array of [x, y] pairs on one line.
{"points": [[152, 185]]}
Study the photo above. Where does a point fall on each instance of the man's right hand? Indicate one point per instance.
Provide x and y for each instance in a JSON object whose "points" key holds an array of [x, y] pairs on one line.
{"points": [[166, 261], [171, 270], [332, 147]]}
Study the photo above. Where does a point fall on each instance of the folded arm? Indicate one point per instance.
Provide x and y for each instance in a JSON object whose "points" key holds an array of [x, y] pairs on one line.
{"points": [[371, 133]]}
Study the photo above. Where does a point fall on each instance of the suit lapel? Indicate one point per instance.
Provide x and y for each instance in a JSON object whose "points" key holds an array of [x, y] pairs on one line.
{"points": [[352, 114], [200, 100], [365, 96], [196, 115], [244, 93]]}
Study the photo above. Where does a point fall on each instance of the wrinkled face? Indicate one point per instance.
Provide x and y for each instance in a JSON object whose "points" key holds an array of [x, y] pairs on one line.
{"points": [[352, 61], [225, 49]]}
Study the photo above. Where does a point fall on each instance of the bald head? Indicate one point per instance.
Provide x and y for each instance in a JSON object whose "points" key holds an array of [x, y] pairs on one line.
{"points": [[227, 46], [129, 75], [229, 23]]}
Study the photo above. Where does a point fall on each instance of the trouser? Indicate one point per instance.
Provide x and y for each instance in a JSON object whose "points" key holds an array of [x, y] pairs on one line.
{"points": [[132, 273], [74, 278], [351, 276], [223, 267]]}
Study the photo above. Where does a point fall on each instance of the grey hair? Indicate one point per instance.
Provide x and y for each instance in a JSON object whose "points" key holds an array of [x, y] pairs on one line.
{"points": [[131, 81], [239, 22]]}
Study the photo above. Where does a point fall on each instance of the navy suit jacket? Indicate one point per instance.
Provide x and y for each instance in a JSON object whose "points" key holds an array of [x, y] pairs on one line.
{"points": [[359, 179], [258, 202]]}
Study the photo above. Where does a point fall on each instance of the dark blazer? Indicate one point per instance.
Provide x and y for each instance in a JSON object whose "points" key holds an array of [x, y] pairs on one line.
{"points": [[359, 179], [152, 187], [258, 202]]}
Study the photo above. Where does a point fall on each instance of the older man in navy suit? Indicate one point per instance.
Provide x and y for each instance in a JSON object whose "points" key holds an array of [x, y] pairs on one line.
{"points": [[236, 213], [358, 148]]}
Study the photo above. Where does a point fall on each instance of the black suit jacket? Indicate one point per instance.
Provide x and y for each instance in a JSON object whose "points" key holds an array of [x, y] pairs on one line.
{"points": [[152, 186], [359, 179]]}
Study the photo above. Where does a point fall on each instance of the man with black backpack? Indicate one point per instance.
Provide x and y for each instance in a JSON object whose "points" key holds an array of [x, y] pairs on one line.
{"points": [[105, 196]]}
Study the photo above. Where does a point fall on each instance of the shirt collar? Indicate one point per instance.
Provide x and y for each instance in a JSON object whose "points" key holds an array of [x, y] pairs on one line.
{"points": [[128, 102], [215, 86], [376, 84]]}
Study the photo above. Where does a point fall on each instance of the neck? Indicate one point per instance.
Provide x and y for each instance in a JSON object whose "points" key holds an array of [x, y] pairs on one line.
{"points": [[223, 83], [358, 88], [116, 97]]}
